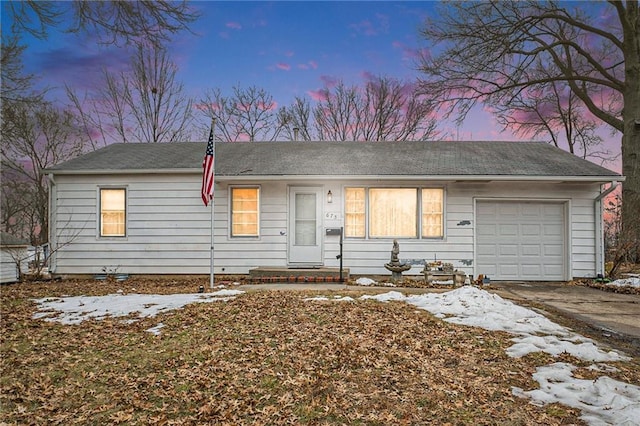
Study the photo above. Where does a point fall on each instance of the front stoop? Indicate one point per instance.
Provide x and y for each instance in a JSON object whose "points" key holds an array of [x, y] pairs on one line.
{"points": [[297, 275]]}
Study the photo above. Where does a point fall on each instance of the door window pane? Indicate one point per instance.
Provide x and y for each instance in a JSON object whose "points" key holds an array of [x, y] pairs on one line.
{"points": [[305, 218]]}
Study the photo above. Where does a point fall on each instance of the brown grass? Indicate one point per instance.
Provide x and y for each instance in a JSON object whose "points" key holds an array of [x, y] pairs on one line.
{"points": [[263, 358]]}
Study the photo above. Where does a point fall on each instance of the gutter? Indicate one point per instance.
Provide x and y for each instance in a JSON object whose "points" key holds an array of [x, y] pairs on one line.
{"points": [[52, 228], [599, 230], [315, 177]]}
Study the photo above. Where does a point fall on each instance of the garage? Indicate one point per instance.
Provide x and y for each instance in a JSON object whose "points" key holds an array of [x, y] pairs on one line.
{"points": [[521, 240]]}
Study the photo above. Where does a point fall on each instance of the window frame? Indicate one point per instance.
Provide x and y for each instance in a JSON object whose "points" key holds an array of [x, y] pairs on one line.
{"points": [[419, 214], [258, 209], [100, 222]]}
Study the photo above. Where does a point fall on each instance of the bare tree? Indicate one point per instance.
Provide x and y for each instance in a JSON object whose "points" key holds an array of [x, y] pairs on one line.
{"points": [[296, 120], [553, 112], [383, 109], [492, 51], [145, 105], [112, 22], [42, 136], [248, 114]]}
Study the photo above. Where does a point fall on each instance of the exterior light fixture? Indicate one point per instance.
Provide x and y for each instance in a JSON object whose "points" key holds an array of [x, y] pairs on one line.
{"points": [[329, 197]]}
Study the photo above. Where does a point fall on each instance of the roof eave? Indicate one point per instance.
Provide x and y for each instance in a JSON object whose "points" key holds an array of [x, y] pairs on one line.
{"points": [[448, 178], [253, 177]]}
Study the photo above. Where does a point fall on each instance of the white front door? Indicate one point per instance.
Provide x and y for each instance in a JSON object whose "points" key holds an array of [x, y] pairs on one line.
{"points": [[305, 236]]}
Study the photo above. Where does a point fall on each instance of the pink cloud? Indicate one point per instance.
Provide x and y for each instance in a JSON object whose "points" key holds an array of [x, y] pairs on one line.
{"points": [[319, 95], [233, 25], [365, 27], [268, 107], [369, 28], [411, 53], [367, 76], [283, 66], [309, 65], [329, 81], [289, 53], [206, 107]]}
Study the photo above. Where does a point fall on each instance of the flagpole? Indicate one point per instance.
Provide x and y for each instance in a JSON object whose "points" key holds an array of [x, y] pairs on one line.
{"points": [[211, 273]]}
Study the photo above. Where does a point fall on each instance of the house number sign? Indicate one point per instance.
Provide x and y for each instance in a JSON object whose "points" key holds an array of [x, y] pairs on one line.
{"points": [[332, 216]]}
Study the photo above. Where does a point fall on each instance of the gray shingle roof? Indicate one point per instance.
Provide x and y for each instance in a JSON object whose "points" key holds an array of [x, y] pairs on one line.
{"points": [[342, 159]]}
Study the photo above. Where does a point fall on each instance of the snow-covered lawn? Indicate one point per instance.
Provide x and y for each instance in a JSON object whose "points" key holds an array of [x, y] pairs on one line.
{"points": [[602, 401]]}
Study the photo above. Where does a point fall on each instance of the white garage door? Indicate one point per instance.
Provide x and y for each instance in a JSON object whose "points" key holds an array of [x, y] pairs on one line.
{"points": [[520, 240]]}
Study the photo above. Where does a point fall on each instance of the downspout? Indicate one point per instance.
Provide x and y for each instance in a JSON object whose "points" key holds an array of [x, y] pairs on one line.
{"points": [[52, 227], [599, 234]]}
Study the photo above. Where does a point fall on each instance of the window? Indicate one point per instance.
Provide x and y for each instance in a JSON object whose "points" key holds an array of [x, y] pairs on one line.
{"points": [[432, 202], [112, 212], [394, 212], [244, 212], [354, 216]]}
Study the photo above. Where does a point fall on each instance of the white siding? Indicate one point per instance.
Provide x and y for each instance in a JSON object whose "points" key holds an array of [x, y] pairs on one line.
{"points": [[168, 227], [8, 267]]}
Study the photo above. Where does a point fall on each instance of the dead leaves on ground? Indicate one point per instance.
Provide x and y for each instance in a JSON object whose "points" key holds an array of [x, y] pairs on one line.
{"points": [[263, 358]]}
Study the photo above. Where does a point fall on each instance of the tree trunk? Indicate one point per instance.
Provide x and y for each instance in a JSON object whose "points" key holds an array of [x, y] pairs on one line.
{"points": [[631, 136]]}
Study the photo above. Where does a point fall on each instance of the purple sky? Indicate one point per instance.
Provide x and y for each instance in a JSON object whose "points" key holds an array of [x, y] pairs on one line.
{"points": [[290, 48]]}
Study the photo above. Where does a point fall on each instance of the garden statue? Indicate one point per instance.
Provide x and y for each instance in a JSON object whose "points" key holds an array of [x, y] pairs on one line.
{"points": [[395, 266]]}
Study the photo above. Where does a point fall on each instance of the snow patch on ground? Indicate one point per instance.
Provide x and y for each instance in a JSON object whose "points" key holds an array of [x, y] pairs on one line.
{"points": [[74, 310], [631, 281], [603, 401]]}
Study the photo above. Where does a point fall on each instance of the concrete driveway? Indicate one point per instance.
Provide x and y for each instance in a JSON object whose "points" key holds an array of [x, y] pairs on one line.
{"points": [[607, 314]]}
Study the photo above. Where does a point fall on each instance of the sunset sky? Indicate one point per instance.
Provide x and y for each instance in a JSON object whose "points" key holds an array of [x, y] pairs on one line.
{"points": [[289, 48]]}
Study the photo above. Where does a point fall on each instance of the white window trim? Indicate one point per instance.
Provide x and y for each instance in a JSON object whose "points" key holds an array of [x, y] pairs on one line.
{"points": [[230, 214], [99, 213]]}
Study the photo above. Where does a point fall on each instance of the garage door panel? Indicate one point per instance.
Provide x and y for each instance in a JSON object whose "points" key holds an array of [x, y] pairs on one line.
{"points": [[506, 270], [531, 270], [530, 250], [520, 240], [508, 250], [508, 210], [491, 270], [531, 212], [487, 250], [508, 230], [551, 230], [554, 210], [554, 251], [487, 229]]}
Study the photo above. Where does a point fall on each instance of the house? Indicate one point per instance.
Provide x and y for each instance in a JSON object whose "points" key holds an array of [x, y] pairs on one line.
{"points": [[508, 210], [13, 258]]}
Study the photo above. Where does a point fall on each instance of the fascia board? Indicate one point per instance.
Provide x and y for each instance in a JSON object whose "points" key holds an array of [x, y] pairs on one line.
{"points": [[453, 178]]}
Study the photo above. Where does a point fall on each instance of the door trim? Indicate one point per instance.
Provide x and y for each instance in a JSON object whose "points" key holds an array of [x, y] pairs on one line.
{"points": [[315, 255]]}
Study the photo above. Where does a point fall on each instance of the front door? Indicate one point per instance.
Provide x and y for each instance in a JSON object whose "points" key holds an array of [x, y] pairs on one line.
{"points": [[305, 236]]}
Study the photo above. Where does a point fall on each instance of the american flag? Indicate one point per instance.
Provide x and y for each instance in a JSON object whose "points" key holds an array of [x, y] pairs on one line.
{"points": [[208, 170]]}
